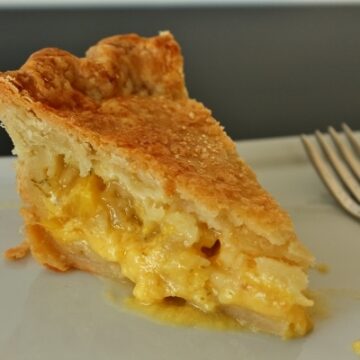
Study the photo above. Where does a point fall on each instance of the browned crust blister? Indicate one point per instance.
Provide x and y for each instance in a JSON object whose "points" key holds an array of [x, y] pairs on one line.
{"points": [[128, 96]]}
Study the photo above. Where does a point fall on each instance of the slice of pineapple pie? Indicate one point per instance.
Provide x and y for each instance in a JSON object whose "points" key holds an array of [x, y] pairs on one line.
{"points": [[122, 174]]}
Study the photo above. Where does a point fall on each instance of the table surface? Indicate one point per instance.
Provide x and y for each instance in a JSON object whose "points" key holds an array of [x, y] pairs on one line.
{"points": [[46, 315]]}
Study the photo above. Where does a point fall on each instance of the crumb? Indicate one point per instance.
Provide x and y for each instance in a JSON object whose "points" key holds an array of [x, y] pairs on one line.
{"points": [[356, 347], [322, 268], [17, 252]]}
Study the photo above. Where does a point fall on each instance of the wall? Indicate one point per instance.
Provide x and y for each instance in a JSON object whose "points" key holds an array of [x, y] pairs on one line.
{"points": [[264, 71]]}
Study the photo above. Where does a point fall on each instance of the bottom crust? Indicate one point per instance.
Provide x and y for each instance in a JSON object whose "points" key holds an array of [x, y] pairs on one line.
{"points": [[59, 257]]}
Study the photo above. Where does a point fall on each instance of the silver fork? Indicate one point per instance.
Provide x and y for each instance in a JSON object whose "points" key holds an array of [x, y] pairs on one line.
{"points": [[344, 182]]}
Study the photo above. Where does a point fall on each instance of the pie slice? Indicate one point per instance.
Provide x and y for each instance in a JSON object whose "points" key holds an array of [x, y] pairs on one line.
{"points": [[122, 174]]}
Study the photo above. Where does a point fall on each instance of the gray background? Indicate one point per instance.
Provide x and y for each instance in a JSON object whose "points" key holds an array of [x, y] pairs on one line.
{"points": [[264, 71]]}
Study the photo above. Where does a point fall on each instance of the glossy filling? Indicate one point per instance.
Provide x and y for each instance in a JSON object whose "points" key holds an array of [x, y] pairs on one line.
{"points": [[167, 252]]}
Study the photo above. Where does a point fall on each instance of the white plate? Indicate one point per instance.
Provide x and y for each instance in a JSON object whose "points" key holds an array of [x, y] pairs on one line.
{"points": [[46, 315]]}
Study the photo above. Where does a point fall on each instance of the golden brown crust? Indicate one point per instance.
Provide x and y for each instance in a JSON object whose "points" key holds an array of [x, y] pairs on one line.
{"points": [[117, 66], [128, 96], [44, 250]]}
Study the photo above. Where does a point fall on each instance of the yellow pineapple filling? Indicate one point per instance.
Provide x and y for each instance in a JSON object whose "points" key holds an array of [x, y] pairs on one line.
{"points": [[167, 252]]}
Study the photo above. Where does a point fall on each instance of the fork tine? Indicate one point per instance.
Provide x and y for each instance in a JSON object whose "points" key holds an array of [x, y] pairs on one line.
{"points": [[329, 180], [345, 175], [351, 136], [346, 152]]}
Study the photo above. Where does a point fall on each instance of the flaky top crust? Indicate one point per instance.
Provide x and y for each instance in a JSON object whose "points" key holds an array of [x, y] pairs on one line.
{"points": [[128, 96]]}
